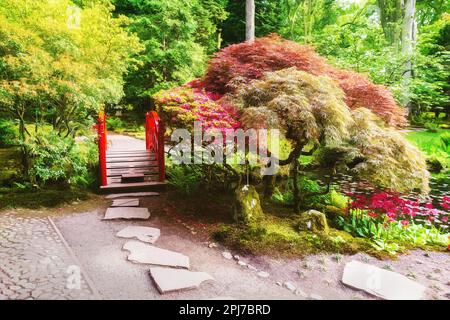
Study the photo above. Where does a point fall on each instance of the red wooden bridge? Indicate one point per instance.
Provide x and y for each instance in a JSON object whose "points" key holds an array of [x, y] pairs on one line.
{"points": [[133, 169]]}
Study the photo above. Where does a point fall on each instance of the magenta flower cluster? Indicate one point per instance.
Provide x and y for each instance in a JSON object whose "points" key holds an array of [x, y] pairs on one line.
{"points": [[389, 207]]}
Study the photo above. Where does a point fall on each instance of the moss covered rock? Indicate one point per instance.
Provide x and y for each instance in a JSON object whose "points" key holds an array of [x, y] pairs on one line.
{"points": [[247, 207], [312, 220]]}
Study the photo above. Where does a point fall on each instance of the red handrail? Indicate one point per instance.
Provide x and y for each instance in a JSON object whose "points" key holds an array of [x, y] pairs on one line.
{"points": [[154, 140], [102, 146]]}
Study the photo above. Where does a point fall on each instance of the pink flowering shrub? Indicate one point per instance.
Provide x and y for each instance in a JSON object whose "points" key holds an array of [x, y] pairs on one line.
{"points": [[181, 106], [390, 207]]}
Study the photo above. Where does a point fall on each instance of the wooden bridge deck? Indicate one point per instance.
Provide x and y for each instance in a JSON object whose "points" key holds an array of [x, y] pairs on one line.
{"points": [[130, 169]]}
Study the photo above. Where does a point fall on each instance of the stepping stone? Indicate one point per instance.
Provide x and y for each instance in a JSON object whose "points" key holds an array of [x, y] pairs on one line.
{"points": [[380, 282], [170, 280], [148, 254], [145, 234], [125, 203], [133, 194], [126, 213]]}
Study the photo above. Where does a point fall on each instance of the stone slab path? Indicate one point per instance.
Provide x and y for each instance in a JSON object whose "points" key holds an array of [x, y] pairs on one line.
{"points": [[169, 280], [144, 234], [125, 203], [381, 283], [148, 254], [131, 194], [126, 213], [35, 263]]}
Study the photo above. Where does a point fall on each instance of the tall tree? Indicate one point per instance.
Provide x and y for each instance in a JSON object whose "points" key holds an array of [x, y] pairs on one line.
{"points": [[250, 20], [409, 38], [178, 36], [398, 19], [391, 16], [60, 64]]}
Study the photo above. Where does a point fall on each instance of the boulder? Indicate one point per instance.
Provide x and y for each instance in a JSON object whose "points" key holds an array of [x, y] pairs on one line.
{"points": [[247, 207], [312, 220]]}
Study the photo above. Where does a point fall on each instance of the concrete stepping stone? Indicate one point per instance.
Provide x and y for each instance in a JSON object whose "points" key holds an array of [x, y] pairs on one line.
{"points": [[380, 282], [132, 194], [145, 234], [126, 213], [144, 253], [125, 203], [170, 280]]}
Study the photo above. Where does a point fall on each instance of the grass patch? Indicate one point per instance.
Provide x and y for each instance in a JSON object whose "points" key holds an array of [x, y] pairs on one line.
{"points": [[37, 198], [425, 140]]}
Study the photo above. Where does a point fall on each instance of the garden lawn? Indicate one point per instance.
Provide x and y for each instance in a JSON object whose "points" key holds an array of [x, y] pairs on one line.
{"points": [[426, 141]]}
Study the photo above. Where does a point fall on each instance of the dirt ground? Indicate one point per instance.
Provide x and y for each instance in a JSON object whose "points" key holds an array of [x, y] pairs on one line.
{"points": [[99, 251]]}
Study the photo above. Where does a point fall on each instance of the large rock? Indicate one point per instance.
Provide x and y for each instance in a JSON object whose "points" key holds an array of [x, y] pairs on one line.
{"points": [[144, 234], [125, 203], [312, 220], [170, 280], [247, 207], [126, 213], [381, 283], [148, 254]]}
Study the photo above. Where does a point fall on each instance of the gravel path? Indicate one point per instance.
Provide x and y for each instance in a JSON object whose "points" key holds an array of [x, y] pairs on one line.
{"points": [[34, 262]]}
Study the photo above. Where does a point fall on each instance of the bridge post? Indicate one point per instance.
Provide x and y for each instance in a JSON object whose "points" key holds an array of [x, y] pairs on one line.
{"points": [[157, 126], [147, 131], [102, 142], [161, 157]]}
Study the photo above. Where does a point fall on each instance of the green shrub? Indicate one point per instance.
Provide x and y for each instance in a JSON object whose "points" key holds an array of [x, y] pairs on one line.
{"points": [[183, 178], [54, 159], [115, 124], [8, 133], [338, 200], [432, 126], [306, 187], [386, 235]]}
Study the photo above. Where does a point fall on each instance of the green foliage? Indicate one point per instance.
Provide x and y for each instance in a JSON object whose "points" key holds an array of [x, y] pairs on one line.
{"points": [[309, 193], [177, 35], [53, 159], [115, 124], [35, 198], [8, 133], [431, 83], [183, 178], [338, 200], [311, 110], [60, 64], [390, 236]]}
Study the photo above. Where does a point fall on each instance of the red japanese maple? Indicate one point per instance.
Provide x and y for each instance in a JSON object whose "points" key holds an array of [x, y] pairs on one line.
{"points": [[246, 61]]}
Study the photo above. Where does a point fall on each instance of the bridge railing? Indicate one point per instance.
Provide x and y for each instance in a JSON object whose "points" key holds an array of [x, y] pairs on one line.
{"points": [[102, 146], [154, 140]]}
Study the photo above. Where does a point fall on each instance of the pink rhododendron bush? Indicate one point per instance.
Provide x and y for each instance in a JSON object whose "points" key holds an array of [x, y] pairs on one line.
{"points": [[181, 106]]}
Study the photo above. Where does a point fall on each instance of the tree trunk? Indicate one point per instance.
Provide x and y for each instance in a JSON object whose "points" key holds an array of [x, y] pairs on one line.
{"points": [[391, 13], [250, 20], [409, 34]]}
